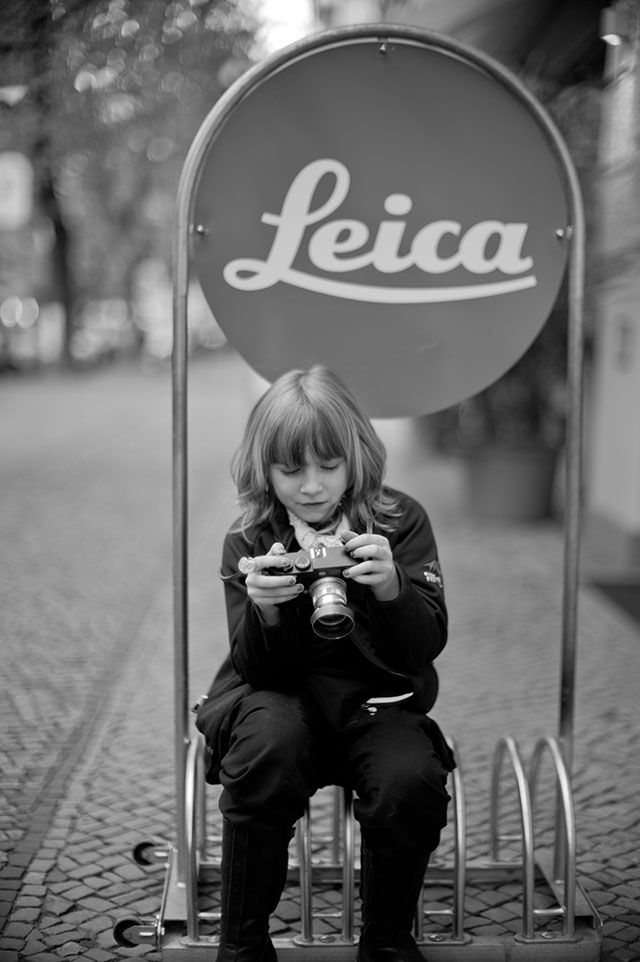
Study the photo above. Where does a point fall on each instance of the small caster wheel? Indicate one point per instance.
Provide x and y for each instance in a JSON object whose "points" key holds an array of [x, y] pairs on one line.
{"points": [[122, 929], [150, 853], [130, 932]]}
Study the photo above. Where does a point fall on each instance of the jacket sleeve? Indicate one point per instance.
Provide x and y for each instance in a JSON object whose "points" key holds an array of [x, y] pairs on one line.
{"points": [[265, 656], [410, 631]]}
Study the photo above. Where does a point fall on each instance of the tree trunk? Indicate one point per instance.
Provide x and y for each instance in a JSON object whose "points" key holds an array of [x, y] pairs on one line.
{"points": [[43, 39]]}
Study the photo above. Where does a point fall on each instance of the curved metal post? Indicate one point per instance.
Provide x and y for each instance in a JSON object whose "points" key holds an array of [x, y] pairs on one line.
{"points": [[507, 747], [193, 774], [460, 848], [201, 799], [304, 860], [348, 866], [457, 912], [180, 513], [338, 822], [565, 841], [573, 468]]}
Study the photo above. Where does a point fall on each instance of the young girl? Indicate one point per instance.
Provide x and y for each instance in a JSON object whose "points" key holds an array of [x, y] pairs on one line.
{"points": [[291, 710]]}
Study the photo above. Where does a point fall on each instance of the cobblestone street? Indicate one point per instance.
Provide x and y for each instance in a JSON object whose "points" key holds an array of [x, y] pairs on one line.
{"points": [[86, 694]]}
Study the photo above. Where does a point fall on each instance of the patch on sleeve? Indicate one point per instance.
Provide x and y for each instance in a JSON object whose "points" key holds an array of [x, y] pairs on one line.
{"points": [[433, 573]]}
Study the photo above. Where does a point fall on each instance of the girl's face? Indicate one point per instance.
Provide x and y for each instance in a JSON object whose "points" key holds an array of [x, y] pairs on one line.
{"points": [[312, 491]]}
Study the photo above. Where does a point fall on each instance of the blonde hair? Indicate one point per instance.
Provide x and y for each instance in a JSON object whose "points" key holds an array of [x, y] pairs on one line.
{"points": [[311, 411]]}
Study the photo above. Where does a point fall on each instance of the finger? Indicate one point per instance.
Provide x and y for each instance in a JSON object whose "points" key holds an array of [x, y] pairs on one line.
{"points": [[347, 535], [365, 551], [360, 570], [269, 561], [276, 596], [271, 582]]}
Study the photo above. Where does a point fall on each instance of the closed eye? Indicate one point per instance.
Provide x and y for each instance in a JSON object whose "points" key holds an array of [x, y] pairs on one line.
{"points": [[288, 472]]}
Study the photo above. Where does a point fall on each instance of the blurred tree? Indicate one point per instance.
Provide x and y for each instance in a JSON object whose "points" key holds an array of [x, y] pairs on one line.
{"points": [[116, 91]]}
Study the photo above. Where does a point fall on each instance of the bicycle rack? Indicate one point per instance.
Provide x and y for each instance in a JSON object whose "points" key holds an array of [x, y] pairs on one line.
{"points": [[178, 930]]}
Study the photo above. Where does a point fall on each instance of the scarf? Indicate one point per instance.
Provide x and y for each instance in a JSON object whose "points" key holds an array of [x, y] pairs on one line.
{"points": [[308, 537]]}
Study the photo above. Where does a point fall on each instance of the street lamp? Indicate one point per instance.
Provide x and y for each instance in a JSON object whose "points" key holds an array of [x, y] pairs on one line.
{"points": [[614, 25], [615, 30]]}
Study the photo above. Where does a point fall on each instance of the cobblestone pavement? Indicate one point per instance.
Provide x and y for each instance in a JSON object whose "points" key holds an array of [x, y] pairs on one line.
{"points": [[86, 630]]}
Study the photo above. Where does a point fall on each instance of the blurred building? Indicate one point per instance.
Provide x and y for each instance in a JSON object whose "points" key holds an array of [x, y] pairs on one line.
{"points": [[613, 533], [558, 39], [568, 43]]}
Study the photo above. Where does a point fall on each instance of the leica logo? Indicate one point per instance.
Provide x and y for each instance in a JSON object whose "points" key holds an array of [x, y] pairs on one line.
{"points": [[343, 245]]}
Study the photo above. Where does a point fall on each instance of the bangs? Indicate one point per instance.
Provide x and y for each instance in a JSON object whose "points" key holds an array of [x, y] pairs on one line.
{"points": [[300, 431]]}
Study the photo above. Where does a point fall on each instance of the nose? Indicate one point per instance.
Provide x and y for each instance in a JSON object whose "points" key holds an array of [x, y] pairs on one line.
{"points": [[311, 481]]}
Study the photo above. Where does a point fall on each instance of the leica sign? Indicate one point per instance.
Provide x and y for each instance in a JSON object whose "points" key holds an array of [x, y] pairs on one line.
{"points": [[398, 217], [343, 245]]}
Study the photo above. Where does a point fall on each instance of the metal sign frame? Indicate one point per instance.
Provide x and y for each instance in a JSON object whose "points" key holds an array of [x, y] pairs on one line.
{"points": [[185, 231]]}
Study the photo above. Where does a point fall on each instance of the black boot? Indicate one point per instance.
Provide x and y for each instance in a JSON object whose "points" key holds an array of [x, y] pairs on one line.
{"points": [[253, 873], [390, 887]]}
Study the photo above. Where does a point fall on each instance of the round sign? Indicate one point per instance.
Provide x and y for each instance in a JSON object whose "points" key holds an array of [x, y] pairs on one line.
{"points": [[389, 209]]}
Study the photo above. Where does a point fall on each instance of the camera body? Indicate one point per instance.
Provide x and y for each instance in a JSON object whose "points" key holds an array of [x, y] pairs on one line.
{"points": [[321, 570], [314, 563]]}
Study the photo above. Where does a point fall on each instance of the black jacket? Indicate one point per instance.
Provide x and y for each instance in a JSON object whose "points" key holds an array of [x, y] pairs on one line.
{"points": [[400, 637]]}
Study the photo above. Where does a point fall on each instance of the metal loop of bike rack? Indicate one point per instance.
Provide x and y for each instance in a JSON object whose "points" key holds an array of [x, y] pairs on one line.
{"points": [[565, 841], [507, 748], [564, 869], [195, 832], [457, 911], [340, 865], [178, 927], [343, 827]]}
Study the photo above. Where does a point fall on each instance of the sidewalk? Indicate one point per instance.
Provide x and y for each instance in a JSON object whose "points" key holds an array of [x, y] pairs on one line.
{"points": [[68, 873]]}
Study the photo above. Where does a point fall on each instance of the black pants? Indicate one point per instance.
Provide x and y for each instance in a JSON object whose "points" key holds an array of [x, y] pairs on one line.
{"points": [[280, 751]]}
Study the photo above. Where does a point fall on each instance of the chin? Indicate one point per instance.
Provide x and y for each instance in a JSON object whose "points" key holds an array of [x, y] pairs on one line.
{"points": [[317, 514]]}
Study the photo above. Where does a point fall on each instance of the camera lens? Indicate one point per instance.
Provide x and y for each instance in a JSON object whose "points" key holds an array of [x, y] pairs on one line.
{"points": [[331, 617]]}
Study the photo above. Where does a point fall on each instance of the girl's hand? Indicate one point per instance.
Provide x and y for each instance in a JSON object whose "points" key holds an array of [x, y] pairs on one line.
{"points": [[375, 566], [267, 591]]}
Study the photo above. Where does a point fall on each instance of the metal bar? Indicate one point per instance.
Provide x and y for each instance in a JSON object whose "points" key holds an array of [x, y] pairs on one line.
{"points": [[567, 838], [304, 858], [460, 848], [201, 800], [348, 866], [180, 596], [191, 859], [180, 462], [573, 467], [338, 823], [507, 747]]}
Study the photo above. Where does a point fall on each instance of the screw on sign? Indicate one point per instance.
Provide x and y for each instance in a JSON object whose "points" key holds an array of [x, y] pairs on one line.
{"points": [[401, 218]]}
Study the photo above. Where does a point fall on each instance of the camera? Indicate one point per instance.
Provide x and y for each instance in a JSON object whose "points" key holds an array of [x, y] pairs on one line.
{"points": [[320, 570]]}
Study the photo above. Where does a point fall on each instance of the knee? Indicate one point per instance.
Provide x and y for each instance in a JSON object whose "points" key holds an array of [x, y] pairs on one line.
{"points": [[268, 772], [273, 724], [408, 806], [422, 789], [270, 740]]}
